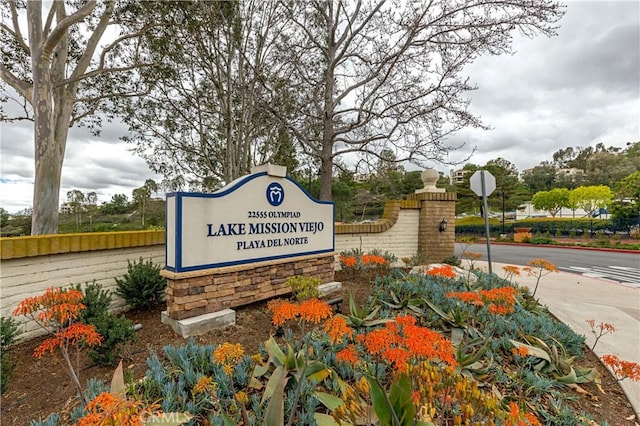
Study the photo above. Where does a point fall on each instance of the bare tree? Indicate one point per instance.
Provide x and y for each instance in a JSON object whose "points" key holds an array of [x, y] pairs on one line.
{"points": [[205, 119], [389, 75], [63, 75]]}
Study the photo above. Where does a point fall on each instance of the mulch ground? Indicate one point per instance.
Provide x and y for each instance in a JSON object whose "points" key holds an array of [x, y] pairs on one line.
{"points": [[41, 386]]}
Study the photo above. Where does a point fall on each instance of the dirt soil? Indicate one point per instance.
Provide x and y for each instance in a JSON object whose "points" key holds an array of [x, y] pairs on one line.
{"points": [[41, 386]]}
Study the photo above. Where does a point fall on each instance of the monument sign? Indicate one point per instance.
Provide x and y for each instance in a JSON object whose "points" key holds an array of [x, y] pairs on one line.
{"points": [[258, 217]]}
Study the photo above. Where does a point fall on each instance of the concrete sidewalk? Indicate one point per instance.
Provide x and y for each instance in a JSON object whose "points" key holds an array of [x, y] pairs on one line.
{"points": [[575, 298]]}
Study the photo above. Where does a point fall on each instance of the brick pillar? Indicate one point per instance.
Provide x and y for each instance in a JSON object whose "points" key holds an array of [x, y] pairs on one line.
{"points": [[435, 206]]}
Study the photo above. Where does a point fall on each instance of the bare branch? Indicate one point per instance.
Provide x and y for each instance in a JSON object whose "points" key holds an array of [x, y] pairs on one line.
{"points": [[17, 34], [93, 41], [24, 88], [63, 26], [101, 71]]}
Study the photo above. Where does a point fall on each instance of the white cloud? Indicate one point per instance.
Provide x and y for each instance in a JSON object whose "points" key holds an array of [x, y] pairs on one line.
{"points": [[577, 89]]}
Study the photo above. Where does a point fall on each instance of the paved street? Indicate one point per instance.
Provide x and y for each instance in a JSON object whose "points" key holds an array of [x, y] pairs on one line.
{"points": [[624, 275]]}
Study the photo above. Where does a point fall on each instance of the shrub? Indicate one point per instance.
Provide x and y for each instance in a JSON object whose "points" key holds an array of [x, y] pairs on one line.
{"points": [[304, 288], [142, 287], [115, 330], [452, 260], [8, 334], [542, 240]]}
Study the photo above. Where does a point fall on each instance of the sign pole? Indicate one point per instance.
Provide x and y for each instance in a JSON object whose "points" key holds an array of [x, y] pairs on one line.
{"points": [[486, 219]]}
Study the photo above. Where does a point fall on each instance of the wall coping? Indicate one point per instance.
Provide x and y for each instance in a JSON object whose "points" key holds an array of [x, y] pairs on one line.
{"points": [[242, 267], [389, 218], [43, 245], [433, 196]]}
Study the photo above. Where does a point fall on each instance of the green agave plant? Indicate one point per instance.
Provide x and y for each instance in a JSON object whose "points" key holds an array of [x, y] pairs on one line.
{"points": [[554, 361], [364, 316]]}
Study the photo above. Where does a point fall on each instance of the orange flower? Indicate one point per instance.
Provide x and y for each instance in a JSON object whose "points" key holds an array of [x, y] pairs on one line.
{"points": [[466, 296], [228, 353], [54, 306], [108, 409], [622, 369], [282, 311], [605, 327], [348, 355], [399, 342], [500, 309], [445, 271], [202, 385], [511, 270], [337, 328], [348, 261], [543, 265], [71, 335], [520, 351], [503, 294], [314, 310], [368, 259], [515, 418], [399, 357]]}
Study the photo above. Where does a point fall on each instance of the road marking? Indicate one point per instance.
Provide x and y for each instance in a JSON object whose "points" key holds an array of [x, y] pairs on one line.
{"points": [[623, 274]]}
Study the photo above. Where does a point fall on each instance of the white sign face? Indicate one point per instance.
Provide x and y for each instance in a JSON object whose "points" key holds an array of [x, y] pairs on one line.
{"points": [[475, 182], [255, 218]]}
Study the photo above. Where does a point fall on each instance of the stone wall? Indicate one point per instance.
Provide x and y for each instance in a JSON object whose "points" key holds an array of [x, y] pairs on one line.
{"points": [[190, 294]]}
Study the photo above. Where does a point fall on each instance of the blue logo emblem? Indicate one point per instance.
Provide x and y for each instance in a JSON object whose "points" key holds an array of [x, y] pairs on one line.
{"points": [[275, 194]]}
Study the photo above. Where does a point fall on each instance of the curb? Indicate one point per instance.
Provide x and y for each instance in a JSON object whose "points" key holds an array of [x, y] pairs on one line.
{"points": [[567, 247]]}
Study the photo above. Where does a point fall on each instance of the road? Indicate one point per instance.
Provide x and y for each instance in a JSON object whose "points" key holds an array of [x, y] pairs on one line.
{"points": [[621, 267]]}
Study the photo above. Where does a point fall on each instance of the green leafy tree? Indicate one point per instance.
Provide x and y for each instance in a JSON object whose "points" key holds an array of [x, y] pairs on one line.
{"points": [[119, 204], [541, 178], [551, 201], [590, 198], [76, 200], [412, 181], [4, 217], [507, 185], [63, 71], [606, 168], [142, 195], [344, 191], [627, 196]]}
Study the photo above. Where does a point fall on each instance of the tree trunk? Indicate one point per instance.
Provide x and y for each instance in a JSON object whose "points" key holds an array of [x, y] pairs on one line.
{"points": [[48, 154], [328, 131], [52, 108]]}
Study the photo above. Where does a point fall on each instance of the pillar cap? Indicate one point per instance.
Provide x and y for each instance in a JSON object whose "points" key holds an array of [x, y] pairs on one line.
{"points": [[429, 178]]}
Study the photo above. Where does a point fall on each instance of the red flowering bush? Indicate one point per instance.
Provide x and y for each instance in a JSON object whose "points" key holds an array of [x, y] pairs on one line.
{"points": [[57, 311]]}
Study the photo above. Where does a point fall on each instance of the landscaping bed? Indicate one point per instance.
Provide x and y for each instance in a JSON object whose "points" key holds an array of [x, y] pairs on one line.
{"points": [[41, 386]]}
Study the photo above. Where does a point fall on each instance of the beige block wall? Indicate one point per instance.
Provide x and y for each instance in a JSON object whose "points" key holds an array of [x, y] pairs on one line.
{"points": [[29, 265], [401, 239], [22, 277]]}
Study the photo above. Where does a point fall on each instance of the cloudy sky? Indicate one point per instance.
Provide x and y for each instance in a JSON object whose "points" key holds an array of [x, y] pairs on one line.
{"points": [[577, 89]]}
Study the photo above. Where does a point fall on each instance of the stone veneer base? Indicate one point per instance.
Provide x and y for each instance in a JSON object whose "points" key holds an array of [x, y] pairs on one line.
{"points": [[201, 324], [192, 294]]}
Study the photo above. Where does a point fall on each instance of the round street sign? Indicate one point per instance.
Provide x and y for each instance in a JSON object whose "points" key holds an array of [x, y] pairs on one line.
{"points": [[475, 182]]}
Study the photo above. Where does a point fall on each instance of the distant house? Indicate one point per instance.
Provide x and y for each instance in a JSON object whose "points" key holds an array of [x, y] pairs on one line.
{"points": [[456, 177], [66, 208], [362, 177]]}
